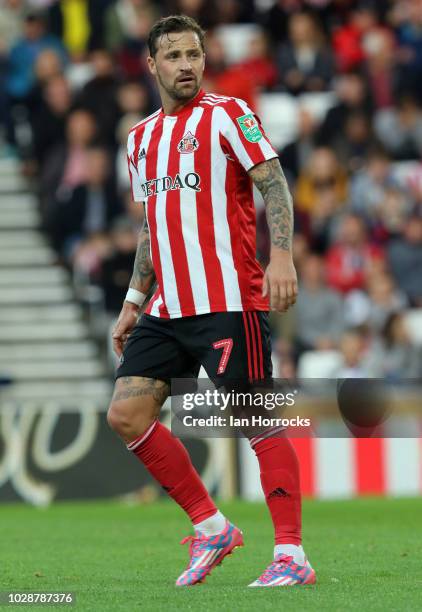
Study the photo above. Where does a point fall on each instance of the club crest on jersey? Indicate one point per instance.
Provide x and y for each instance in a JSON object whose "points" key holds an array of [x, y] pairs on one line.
{"points": [[188, 144], [250, 128]]}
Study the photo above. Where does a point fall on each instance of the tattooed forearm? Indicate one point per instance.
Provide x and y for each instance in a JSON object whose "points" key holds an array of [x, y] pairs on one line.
{"points": [[143, 276], [271, 182]]}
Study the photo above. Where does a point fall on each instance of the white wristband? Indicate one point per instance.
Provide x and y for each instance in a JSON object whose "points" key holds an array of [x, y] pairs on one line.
{"points": [[135, 297]]}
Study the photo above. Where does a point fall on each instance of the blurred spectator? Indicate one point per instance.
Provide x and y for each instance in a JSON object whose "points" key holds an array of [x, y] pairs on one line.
{"points": [[322, 174], [409, 34], [259, 65], [296, 154], [413, 183], [369, 186], [86, 259], [393, 356], [48, 123], [223, 79], [352, 146], [380, 67], [348, 38], [352, 257], [231, 11], [405, 260], [79, 24], [24, 53], [276, 18], [391, 215], [374, 307], [378, 197], [65, 167], [99, 95], [206, 12], [11, 18], [400, 128], [133, 210], [133, 104], [304, 62], [322, 221], [73, 25], [319, 309], [127, 25], [87, 208], [353, 349], [300, 248], [117, 267], [352, 96], [48, 65]]}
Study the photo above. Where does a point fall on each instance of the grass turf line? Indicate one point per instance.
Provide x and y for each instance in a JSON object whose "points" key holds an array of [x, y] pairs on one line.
{"points": [[367, 554]]}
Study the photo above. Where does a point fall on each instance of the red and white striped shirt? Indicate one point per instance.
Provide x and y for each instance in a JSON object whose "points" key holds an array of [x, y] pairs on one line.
{"points": [[190, 169]]}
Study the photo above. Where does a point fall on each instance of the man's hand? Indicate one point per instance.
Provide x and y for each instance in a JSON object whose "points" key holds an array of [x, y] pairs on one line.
{"points": [[280, 281], [125, 323]]}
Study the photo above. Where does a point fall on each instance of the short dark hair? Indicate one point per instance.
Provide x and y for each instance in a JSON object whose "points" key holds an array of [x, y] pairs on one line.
{"points": [[173, 23]]}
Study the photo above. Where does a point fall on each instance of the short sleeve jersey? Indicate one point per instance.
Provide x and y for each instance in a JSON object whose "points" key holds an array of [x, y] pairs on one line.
{"points": [[191, 170]]}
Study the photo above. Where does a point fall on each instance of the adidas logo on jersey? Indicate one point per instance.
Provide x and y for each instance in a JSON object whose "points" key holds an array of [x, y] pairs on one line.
{"points": [[188, 144], [142, 154]]}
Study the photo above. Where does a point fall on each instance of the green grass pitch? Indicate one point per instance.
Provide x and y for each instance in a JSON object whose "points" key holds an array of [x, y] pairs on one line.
{"points": [[367, 554]]}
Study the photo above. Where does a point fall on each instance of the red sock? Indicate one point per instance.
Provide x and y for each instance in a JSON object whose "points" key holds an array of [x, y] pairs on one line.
{"points": [[280, 481], [167, 460]]}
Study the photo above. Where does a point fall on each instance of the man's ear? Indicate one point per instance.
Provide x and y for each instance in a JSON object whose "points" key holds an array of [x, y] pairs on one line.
{"points": [[151, 65]]}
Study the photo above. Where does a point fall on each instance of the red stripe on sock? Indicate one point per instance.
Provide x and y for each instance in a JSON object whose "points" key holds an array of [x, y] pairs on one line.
{"points": [[266, 434], [168, 461], [280, 479], [135, 443]]}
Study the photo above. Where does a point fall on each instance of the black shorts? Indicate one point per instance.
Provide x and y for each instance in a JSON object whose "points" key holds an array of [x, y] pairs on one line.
{"points": [[230, 346]]}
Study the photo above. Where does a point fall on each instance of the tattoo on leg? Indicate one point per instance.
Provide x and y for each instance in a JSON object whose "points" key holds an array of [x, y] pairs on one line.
{"points": [[130, 386]]}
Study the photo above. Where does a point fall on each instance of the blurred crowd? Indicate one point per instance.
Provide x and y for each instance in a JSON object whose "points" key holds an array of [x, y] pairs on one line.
{"points": [[74, 79]]}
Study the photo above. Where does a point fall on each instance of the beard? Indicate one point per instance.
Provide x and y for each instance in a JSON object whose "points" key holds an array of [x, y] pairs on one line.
{"points": [[178, 91]]}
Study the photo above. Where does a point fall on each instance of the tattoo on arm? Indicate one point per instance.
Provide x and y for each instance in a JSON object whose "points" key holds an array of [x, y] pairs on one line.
{"points": [[143, 276], [271, 182]]}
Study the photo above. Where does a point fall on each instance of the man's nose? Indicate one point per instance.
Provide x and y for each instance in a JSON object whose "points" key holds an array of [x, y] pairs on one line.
{"points": [[186, 64]]}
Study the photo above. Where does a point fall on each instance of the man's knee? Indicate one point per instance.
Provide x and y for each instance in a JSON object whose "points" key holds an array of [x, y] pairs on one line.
{"points": [[135, 405], [122, 418]]}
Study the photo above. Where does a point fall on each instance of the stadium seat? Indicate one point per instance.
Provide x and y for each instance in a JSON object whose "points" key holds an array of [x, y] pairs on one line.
{"points": [[33, 276], [22, 238], [82, 349], [54, 369], [29, 332], [404, 171], [12, 219], [39, 294], [235, 39], [98, 389], [67, 313], [278, 112], [413, 319], [319, 364]]}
